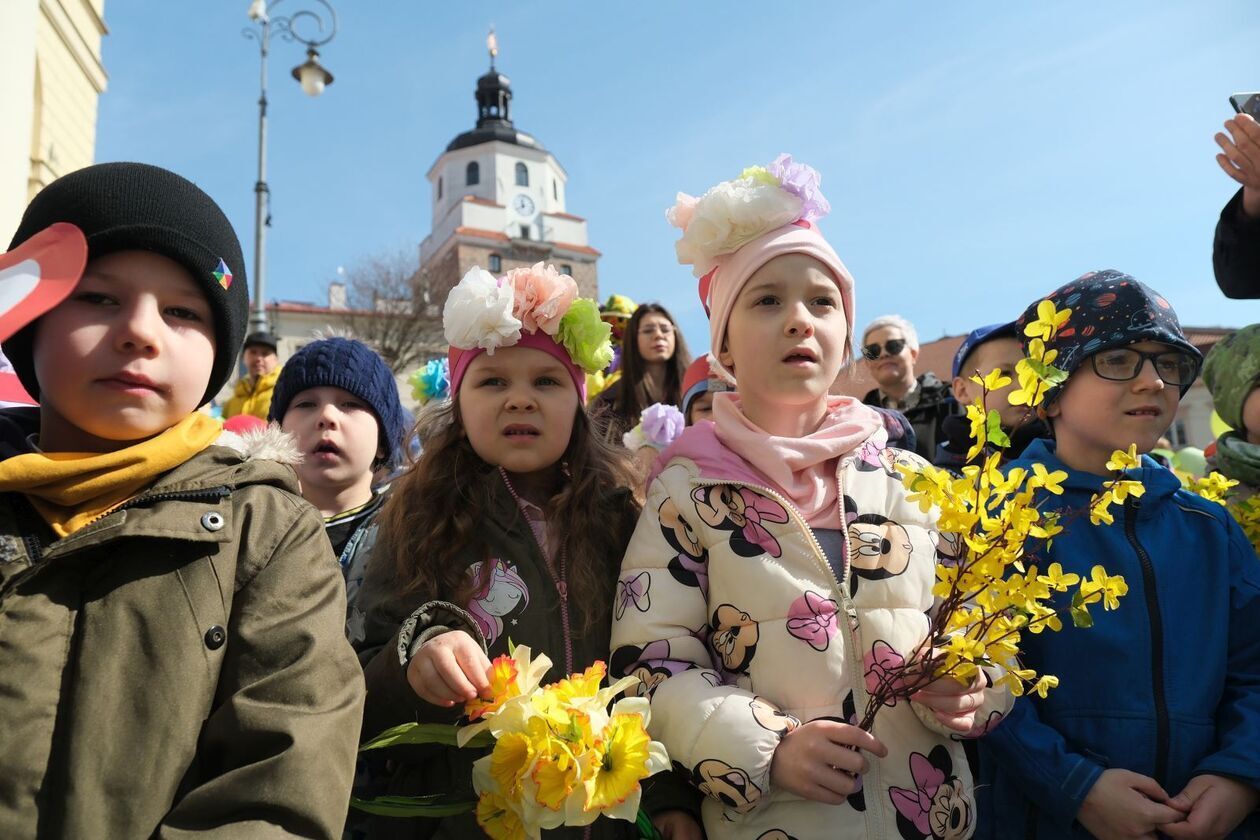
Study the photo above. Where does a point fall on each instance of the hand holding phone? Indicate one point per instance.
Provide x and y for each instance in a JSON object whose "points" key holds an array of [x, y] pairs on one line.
{"points": [[1246, 103], [1240, 149]]}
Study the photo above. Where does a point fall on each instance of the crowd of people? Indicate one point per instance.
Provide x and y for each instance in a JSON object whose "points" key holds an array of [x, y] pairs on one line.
{"points": [[199, 626]]}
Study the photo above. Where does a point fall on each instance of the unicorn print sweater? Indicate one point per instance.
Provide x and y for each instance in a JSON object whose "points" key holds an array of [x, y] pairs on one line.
{"points": [[743, 622]]}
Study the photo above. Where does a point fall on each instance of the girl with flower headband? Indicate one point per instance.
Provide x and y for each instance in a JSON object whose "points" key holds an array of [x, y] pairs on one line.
{"points": [[778, 569], [507, 530]]}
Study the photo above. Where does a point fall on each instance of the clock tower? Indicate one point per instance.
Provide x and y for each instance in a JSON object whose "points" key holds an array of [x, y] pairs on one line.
{"points": [[498, 201]]}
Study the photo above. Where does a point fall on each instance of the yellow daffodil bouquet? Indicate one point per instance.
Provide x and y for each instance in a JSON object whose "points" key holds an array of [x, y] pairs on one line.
{"points": [[989, 591], [560, 755]]}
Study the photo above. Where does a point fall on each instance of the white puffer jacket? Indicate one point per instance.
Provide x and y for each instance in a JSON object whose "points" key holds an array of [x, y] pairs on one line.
{"points": [[728, 609]]}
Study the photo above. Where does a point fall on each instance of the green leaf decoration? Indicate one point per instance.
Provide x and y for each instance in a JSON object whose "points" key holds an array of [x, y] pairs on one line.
{"points": [[424, 733], [993, 430], [1049, 374], [1081, 617], [436, 805]]}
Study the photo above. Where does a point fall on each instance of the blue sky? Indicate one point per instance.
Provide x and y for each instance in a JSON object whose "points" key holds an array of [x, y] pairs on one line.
{"points": [[976, 154]]}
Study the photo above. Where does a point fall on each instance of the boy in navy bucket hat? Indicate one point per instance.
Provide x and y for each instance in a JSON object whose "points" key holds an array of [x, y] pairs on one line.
{"points": [[1155, 726]]}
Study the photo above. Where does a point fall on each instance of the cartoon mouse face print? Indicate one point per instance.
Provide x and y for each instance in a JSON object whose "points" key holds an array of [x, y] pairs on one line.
{"points": [[768, 717], [734, 639], [650, 663], [743, 512], [678, 531], [731, 785], [881, 547]]}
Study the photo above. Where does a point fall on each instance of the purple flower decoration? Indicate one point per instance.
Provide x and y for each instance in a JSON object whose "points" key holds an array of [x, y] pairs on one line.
{"points": [[662, 424], [803, 182]]}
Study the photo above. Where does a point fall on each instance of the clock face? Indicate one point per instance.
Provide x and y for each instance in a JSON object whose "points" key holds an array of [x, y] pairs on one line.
{"points": [[523, 205]]}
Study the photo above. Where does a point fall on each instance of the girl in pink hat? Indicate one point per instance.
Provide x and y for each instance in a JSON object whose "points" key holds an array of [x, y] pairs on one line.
{"points": [[779, 566], [509, 529]]}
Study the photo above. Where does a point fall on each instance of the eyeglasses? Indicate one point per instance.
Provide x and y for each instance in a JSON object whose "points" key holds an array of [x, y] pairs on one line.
{"points": [[1175, 367], [892, 347], [652, 329]]}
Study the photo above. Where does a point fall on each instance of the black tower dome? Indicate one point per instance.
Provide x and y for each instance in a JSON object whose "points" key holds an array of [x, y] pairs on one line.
{"points": [[494, 122]]}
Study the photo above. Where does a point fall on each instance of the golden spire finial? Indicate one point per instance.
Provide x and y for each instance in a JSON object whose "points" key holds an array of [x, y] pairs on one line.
{"points": [[492, 45]]}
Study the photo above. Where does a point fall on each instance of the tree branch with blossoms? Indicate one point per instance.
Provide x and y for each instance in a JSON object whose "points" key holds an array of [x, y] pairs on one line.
{"points": [[988, 588]]}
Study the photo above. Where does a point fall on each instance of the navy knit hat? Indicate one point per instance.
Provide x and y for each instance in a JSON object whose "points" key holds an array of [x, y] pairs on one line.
{"points": [[134, 206], [1109, 309], [352, 366]]}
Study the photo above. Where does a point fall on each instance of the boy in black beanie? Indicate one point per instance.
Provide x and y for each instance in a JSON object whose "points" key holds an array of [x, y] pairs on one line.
{"points": [[339, 400], [171, 655]]}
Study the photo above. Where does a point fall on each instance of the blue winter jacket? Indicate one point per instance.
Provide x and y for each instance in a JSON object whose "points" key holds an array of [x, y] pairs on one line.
{"points": [[1168, 685]]}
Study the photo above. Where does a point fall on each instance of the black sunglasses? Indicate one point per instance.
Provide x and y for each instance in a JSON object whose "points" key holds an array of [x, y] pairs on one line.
{"points": [[892, 347]]}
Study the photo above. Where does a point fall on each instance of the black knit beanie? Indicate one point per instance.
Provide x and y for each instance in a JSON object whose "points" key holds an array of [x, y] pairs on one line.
{"points": [[134, 206], [352, 366]]}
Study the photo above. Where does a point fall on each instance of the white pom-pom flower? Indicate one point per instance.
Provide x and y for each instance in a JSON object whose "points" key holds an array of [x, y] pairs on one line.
{"points": [[728, 216], [478, 313]]}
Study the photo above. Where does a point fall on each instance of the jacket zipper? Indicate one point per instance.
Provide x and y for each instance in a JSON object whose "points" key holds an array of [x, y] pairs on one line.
{"points": [[220, 492], [561, 582], [1157, 642], [35, 546], [842, 591]]}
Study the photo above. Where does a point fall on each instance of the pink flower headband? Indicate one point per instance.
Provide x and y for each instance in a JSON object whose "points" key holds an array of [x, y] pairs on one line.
{"points": [[534, 307]]}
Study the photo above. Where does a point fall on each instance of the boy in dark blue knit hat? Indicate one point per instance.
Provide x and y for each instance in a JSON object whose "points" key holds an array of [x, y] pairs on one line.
{"points": [[171, 652], [339, 400], [1155, 726]]}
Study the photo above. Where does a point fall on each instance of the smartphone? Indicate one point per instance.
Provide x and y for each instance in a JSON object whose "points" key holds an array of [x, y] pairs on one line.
{"points": [[1246, 103]]}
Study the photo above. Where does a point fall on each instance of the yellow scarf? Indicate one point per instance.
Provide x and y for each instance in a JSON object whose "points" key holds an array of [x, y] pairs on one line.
{"points": [[72, 489]]}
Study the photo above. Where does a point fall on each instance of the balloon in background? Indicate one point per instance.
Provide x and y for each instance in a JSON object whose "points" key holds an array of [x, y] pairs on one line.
{"points": [[1219, 426]]}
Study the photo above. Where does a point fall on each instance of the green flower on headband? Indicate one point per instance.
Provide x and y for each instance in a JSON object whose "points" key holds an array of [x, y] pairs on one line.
{"points": [[585, 336], [761, 175]]}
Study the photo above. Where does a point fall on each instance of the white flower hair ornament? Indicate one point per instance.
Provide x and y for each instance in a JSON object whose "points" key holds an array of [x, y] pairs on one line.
{"points": [[736, 212]]}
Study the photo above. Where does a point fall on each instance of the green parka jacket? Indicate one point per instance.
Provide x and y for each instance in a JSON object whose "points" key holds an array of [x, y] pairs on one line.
{"points": [[178, 668], [524, 603]]}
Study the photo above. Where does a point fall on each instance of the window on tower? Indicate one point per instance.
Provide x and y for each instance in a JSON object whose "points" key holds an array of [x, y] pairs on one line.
{"points": [[439, 188], [524, 231], [496, 263], [522, 175], [472, 175], [566, 269], [555, 190]]}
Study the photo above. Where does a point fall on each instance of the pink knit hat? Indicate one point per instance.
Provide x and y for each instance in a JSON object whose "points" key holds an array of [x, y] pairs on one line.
{"points": [[738, 226], [721, 286]]}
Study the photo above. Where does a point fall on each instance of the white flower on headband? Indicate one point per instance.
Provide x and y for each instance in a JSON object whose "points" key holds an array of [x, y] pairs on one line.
{"points": [[478, 313], [728, 216]]}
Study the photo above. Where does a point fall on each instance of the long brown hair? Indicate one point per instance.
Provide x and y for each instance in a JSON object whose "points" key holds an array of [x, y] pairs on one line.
{"points": [[632, 392], [432, 520]]}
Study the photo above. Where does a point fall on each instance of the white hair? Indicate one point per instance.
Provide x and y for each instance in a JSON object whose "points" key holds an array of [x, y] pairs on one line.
{"points": [[907, 329]]}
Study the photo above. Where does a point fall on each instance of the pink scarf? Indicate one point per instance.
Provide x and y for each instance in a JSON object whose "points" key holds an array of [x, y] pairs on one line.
{"points": [[803, 469]]}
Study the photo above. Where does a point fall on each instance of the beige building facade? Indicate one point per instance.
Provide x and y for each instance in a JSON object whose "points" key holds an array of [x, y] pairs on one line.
{"points": [[51, 78]]}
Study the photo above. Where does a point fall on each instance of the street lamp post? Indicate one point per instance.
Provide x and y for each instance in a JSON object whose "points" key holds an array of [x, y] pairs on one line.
{"points": [[313, 78]]}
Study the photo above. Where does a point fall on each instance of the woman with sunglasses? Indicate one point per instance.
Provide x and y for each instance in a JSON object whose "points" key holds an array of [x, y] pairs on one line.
{"points": [[654, 359], [890, 347]]}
